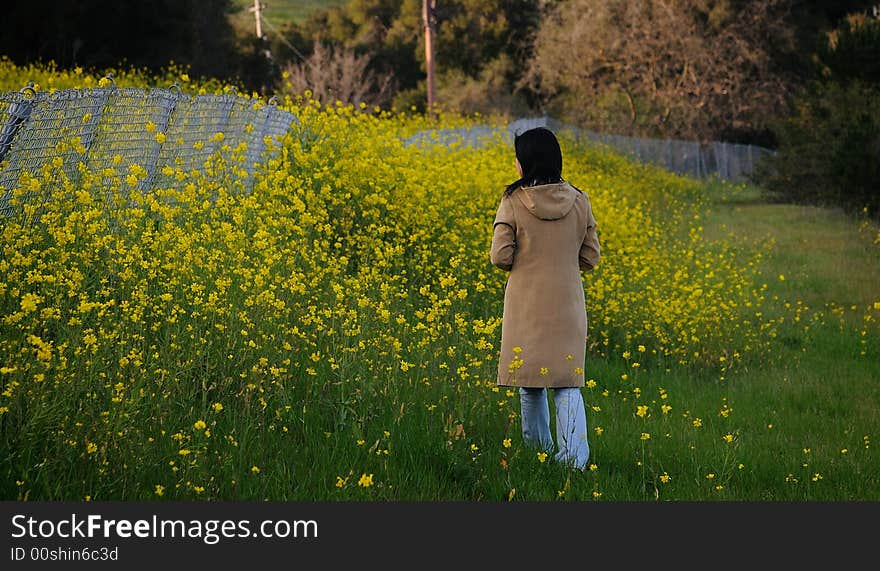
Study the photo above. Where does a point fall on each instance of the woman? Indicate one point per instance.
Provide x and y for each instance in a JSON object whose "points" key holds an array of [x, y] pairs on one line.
{"points": [[544, 233]]}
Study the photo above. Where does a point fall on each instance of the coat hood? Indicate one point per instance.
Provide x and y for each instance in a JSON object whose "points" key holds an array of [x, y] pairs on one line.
{"points": [[548, 201]]}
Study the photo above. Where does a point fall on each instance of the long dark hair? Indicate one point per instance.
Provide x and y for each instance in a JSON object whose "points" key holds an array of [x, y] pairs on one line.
{"points": [[540, 157]]}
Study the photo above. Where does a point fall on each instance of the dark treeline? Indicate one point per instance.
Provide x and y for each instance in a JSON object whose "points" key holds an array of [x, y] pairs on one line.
{"points": [[105, 33], [799, 76]]}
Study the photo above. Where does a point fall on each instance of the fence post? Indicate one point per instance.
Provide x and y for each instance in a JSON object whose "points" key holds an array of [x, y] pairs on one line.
{"points": [[751, 159], [19, 113], [171, 97], [230, 104], [97, 110], [260, 139], [99, 104], [702, 169]]}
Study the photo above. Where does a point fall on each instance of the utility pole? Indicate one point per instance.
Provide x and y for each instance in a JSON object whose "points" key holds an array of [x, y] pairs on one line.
{"points": [[258, 16], [428, 19], [257, 9]]}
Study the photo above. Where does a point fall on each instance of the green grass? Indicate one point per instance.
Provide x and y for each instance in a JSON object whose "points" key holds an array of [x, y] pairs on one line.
{"points": [[280, 12], [823, 254], [819, 392]]}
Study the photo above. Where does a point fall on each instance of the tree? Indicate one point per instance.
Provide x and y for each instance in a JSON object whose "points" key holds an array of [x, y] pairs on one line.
{"points": [[382, 33], [695, 69], [852, 50], [482, 50], [338, 74], [829, 141]]}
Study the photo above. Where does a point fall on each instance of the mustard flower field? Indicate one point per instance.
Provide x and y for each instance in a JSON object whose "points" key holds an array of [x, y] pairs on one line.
{"points": [[332, 334]]}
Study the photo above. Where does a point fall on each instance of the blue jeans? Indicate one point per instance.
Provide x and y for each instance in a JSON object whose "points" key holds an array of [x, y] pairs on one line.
{"points": [[571, 423]]}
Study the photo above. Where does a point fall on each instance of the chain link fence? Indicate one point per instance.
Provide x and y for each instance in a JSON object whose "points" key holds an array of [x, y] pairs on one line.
{"points": [[728, 161], [98, 128]]}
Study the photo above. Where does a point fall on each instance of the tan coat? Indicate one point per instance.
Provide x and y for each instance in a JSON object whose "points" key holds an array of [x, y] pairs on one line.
{"points": [[544, 235]]}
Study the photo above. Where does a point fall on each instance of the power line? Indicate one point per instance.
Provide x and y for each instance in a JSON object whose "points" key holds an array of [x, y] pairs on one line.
{"points": [[285, 42], [258, 9]]}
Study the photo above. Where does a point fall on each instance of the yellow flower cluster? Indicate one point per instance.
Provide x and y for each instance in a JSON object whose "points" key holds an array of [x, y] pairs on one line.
{"points": [[49, 77]]}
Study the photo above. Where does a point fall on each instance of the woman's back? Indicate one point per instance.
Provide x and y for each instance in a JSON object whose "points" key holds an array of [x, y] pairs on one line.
{"points": [[544, 230], [551, 221], [544, 233]]}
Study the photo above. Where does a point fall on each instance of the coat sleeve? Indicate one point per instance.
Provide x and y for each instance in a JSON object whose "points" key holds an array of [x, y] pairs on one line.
{"points": [[588, 257], [504, 236]]}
